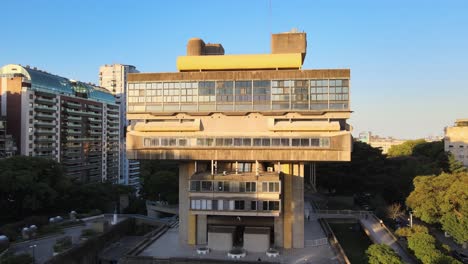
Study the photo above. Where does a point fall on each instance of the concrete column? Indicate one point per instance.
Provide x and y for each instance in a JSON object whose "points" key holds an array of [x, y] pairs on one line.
{"points": [[202, 230], [298, 206], [279, 231], [288, 203], [185, 171]]}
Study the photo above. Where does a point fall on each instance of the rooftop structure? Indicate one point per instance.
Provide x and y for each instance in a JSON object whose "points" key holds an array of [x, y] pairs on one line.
{"points": [[244, 129]]}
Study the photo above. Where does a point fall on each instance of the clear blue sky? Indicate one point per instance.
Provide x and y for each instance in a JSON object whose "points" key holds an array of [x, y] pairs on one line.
{"points": [[408, 59]]}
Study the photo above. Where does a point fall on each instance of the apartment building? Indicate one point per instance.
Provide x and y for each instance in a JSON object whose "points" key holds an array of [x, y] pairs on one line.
{"points": [[114, 78], [74, 123], [7, 145], [243, 128], [456, 140]]}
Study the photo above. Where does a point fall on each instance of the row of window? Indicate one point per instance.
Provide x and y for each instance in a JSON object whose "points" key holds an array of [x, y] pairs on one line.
{"points": [[234, 205], [234, 186], [236, 142], [272, 95]]}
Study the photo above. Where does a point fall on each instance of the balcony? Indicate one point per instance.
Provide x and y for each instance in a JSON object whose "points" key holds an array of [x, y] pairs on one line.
{"points": [[45, 140], [44, 100], [94, 107], [44, 148], [112, 115], [73, 132], [44, 108], [44, 124], [44, 132], [73, 104], [45, 116], [77, 125], [95, 126], [74, 112], [73, 118], [93, 132], [95, 120]]}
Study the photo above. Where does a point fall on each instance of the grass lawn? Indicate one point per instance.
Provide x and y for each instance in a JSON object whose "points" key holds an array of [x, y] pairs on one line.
{"points": [[353, 240]]}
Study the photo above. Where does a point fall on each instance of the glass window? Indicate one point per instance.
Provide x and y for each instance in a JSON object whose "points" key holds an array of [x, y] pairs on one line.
{"points": [[239, 205], [253, 205], [243, 91], [206, 186], [195, 186], [300, 94], [224, 91]]}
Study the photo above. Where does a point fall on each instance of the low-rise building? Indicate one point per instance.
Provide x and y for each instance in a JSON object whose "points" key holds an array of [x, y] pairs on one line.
{"points": [[456, 140]]}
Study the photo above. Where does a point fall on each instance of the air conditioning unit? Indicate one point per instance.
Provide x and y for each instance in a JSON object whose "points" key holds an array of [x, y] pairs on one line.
{"points": [[270, 169]]}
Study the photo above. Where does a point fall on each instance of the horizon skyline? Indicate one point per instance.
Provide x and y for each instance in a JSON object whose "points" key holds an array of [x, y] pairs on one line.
{"points": [[417, 62]]}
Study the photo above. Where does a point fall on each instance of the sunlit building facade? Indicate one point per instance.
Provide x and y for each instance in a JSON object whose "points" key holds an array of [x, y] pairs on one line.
{"points": [[113, 77], [243, 128], [74, 123], [456, 140]]}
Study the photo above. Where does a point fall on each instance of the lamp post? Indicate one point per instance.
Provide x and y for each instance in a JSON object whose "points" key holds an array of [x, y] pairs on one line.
{"points": [[411, 219], [33, 253]]}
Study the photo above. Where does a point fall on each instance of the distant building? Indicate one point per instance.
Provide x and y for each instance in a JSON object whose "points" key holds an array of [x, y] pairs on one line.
{"points": [[243, 129], [456, 140], [74, 123], [384, 143], [114, 78]]}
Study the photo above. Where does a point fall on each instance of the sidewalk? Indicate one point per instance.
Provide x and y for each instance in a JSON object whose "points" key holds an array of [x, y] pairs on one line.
{"points": [[380, 235]]}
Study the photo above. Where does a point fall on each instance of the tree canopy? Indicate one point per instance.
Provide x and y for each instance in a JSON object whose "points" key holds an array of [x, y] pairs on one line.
{"points": [[32, 185], [160, 180], [442, 199], [382, 254]]}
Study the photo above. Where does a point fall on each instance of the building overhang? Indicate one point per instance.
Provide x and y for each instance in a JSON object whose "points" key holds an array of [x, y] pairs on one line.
{"points": [[240, 62]]}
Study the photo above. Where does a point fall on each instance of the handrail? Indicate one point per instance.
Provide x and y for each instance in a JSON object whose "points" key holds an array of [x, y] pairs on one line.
{"points": [[333, 241]]}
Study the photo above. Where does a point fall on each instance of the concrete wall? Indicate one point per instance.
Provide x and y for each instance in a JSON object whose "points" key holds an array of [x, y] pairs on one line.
{"points": [[202, 229], [220, 241]]}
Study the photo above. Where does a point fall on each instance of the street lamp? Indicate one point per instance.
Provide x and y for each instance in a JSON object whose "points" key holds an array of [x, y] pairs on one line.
{"points": [[33, 253]]}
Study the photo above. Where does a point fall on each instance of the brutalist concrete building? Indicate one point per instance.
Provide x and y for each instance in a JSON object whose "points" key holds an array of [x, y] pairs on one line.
{"points": [[243, 128]]}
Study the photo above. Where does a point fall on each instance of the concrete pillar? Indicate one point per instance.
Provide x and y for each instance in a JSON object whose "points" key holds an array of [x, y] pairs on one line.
{"points": [[279, 231], [202, 229], [288, 203], [185, 171], [191, 229], [293, 207], [298, 205]]}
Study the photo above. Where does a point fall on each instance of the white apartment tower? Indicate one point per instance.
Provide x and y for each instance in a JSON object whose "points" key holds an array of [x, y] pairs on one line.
{"points": [[113, 77]]}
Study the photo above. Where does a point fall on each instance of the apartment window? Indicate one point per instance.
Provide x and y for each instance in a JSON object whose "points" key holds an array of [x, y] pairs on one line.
{"points": [[253, 205], [270, 205], [250, 186], [270, 187], [195, 186], [239, 205], [206, 186]]}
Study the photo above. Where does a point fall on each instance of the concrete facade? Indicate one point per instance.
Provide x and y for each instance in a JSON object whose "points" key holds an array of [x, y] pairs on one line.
{"points": [[242, 134], [456, 140]]}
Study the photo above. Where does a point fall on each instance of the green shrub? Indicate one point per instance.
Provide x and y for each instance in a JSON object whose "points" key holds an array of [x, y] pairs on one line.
{"points": [[16, 259], [408, 232], [88, 233], [63, 244], [50, 229]]}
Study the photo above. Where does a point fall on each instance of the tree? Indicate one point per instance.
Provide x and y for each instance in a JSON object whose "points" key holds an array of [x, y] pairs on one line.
{"points": [[394, 211], [442, 199], [30, 184], [455, 166], [404, 149], [410, 231], [424, 248], [382, 254]]}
